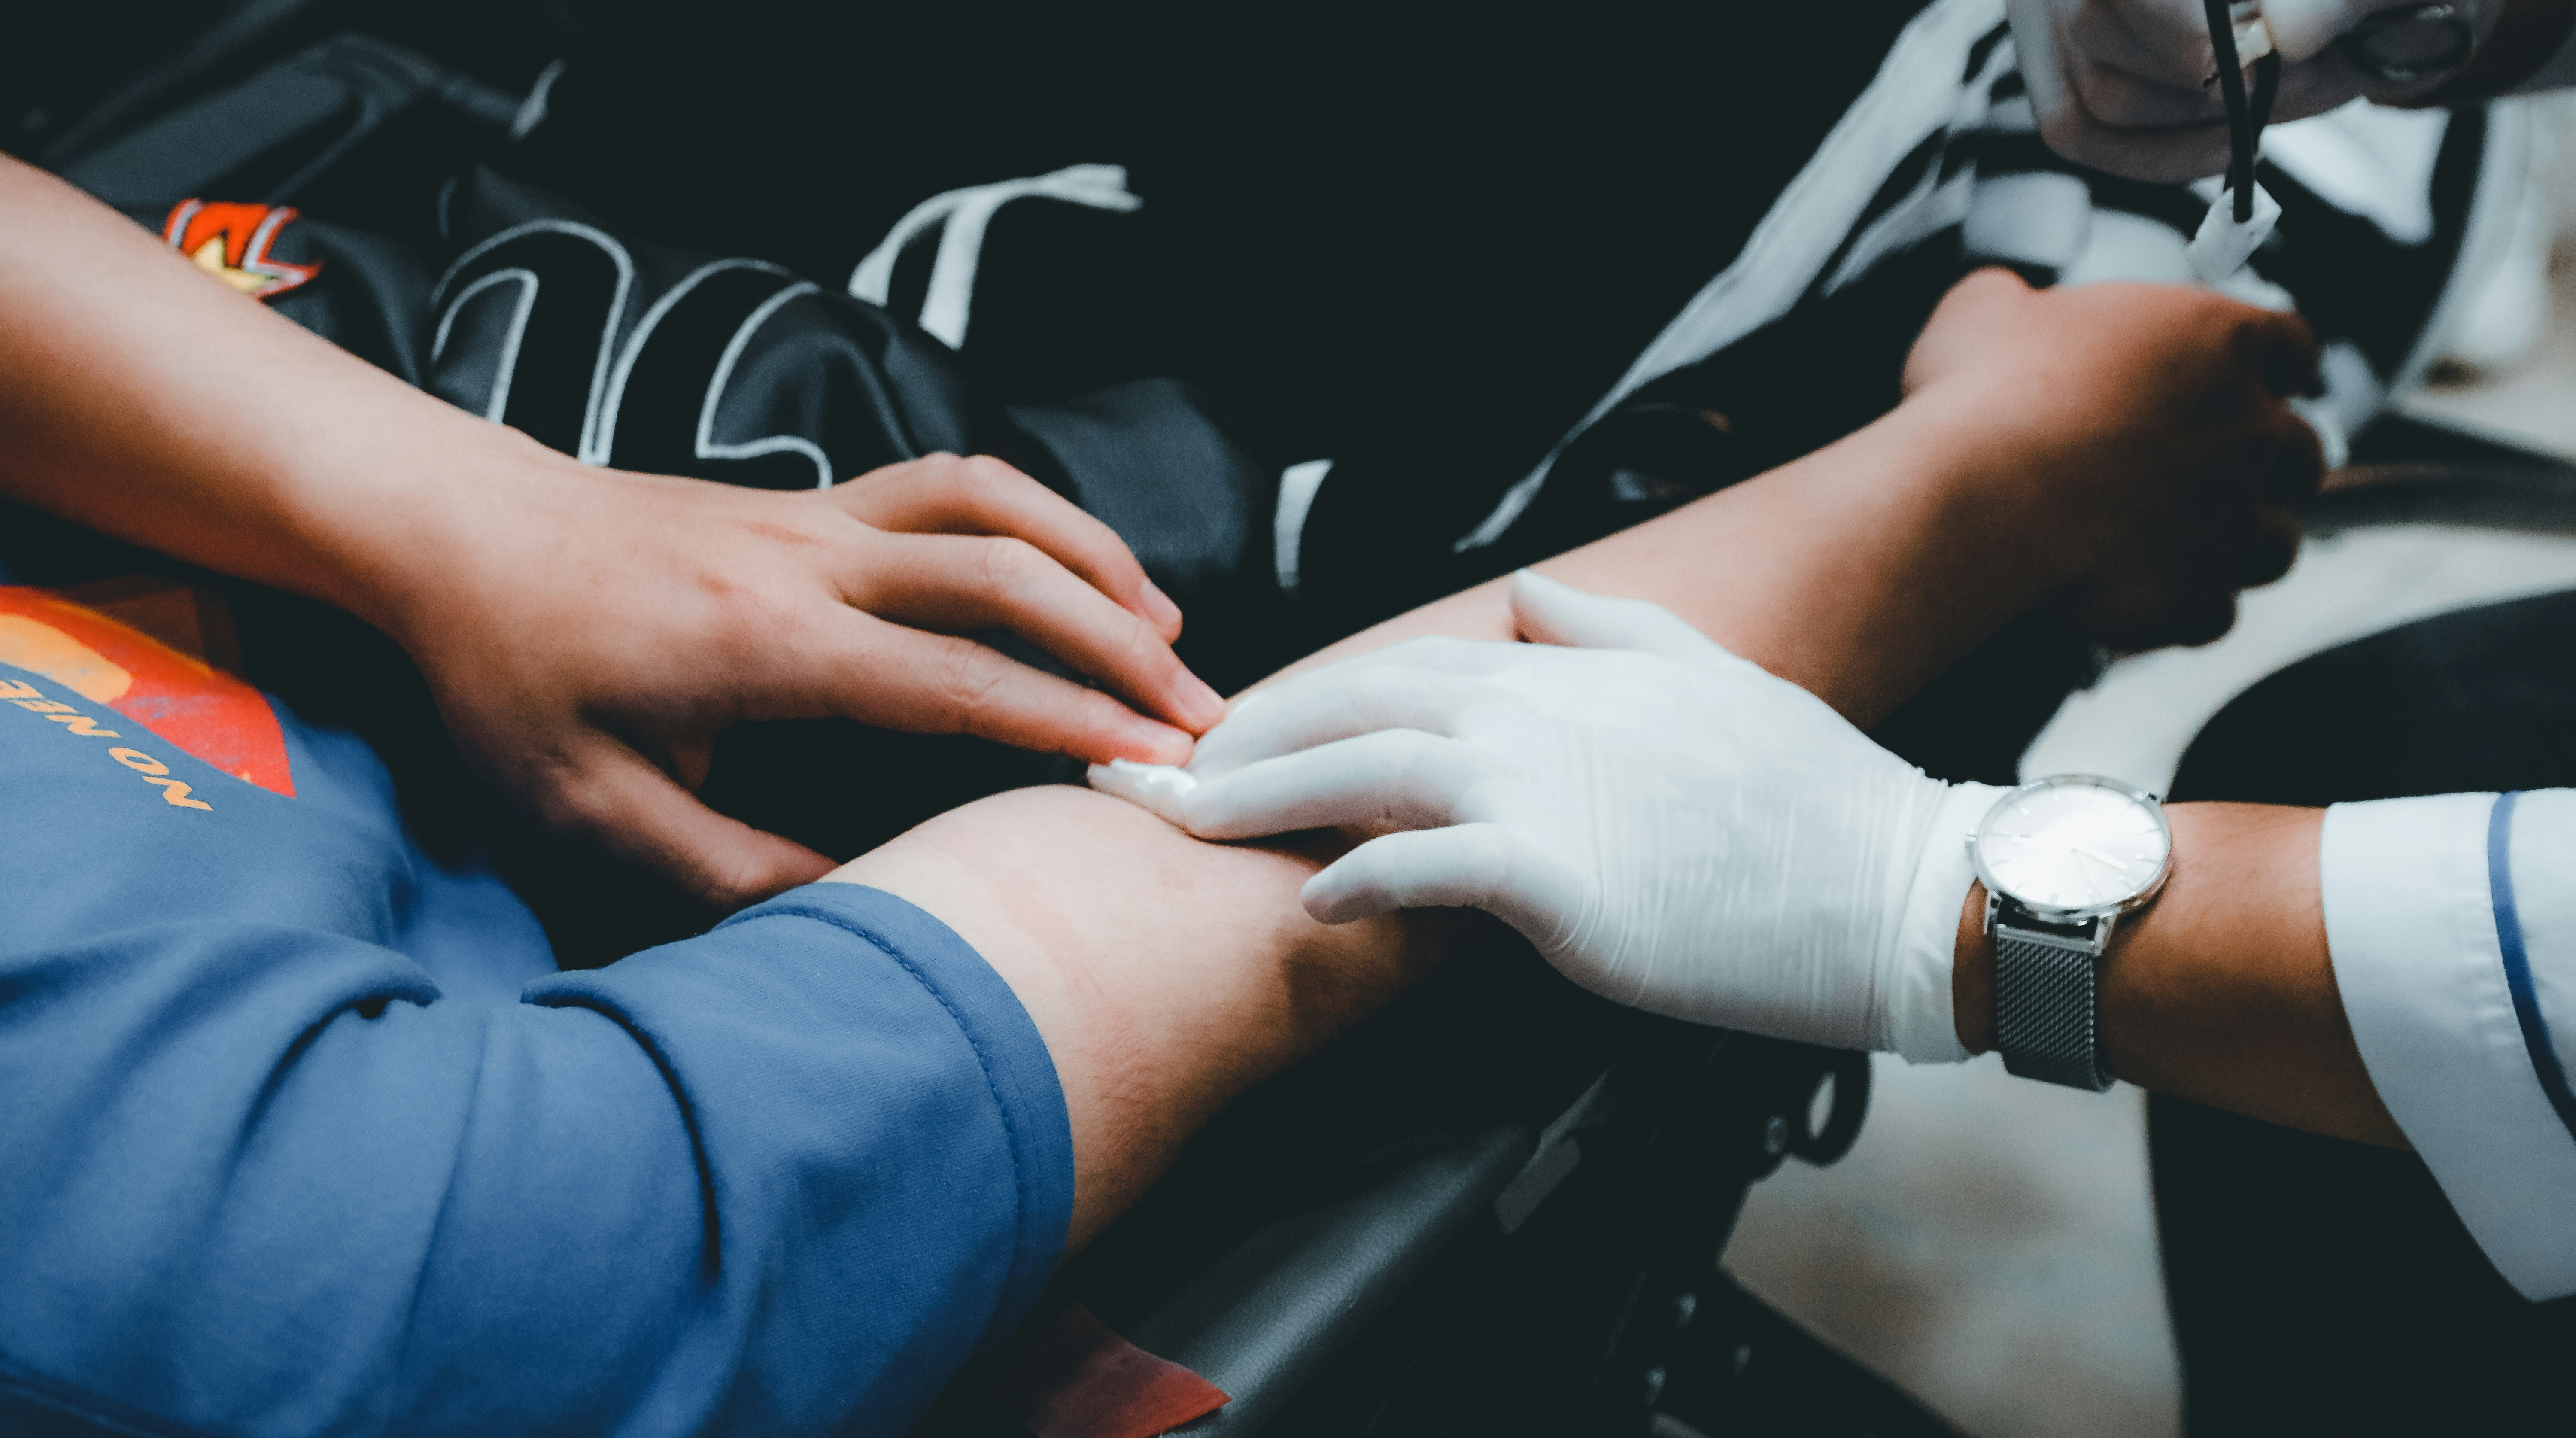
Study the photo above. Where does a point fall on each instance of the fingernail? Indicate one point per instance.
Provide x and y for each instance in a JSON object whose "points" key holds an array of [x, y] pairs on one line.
{"points": [[1200, 705], [1160, 609], [1150, 743]]}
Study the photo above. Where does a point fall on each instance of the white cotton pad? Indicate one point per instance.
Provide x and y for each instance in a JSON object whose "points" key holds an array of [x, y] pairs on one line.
{"points": [[2253, 35], [1155, 788], [2223, 246]]}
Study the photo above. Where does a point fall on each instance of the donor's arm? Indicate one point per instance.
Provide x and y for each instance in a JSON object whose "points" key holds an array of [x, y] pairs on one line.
{"points": [[587, 631]]}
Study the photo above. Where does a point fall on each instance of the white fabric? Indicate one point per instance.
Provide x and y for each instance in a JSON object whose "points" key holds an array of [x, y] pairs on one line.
{"points": [[963, 216], [1671, 826], [2122, 246], [2411, 921], [1298, 484], [2225, 243], [2040, 218], [2367, 160]]}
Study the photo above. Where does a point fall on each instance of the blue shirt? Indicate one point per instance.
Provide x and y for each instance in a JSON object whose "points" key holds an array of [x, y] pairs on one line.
{"points": [[301, 1130]]}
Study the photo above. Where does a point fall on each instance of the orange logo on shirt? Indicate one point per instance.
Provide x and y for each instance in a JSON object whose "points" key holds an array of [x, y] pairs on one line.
{"points": [[232, 240], [189, 704]]}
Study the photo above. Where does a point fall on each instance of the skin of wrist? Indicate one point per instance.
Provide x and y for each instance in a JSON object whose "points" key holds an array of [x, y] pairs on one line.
{"points": [[392, 538], [1972, 975], [2222, 991]]}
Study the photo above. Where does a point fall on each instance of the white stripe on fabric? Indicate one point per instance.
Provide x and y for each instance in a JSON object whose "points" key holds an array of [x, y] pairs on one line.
{"points": [[1297, 486], [965, 215]]}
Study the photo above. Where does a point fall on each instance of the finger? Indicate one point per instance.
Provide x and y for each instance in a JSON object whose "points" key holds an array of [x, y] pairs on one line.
{"points": [[2163, 44], [947, 494], [2298, 468], [1471, 866], [1335, 703], [1392, 779], [2157, 155], [2271, 549], [895, 677], [2286, 348], [1549, 612], [2069, 99], [955, 583], [2303, 28], [613, 798]]}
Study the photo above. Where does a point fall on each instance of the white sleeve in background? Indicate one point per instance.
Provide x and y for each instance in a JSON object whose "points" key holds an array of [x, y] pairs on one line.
{"points": [[2452, 921]]}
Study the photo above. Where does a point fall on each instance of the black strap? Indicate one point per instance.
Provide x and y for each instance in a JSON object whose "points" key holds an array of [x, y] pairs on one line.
{"points": [[2246, 115]]}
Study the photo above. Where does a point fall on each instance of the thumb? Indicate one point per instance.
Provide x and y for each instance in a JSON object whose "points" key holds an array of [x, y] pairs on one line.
{"points": [[1547, 612], [611, 797]]}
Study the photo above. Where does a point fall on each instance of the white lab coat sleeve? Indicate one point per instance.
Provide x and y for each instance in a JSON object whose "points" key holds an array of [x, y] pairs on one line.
{"points": [[2452, 921]]}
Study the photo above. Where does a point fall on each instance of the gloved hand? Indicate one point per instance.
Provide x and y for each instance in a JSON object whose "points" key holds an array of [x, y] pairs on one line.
{"points": [[2119, 84], [1671, 826]]}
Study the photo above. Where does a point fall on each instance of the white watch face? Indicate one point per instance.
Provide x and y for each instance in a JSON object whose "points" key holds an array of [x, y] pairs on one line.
{"points": [[2073, 844]]}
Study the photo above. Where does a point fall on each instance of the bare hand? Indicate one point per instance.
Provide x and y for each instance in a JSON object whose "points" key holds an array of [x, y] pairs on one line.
{"points": [[2173, 461], [2122, 85], [589, 632]]}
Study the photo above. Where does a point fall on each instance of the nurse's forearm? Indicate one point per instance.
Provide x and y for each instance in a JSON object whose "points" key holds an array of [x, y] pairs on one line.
{"points": [[2222, 991]]}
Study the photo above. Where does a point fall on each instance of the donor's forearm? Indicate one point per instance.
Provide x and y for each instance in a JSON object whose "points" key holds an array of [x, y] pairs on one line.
{"points": [[1858, 572], [144, 398]]}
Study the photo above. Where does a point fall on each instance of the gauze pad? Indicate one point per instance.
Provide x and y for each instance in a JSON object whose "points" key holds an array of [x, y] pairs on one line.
{"points": [[2223, 245], [1155, 788]]}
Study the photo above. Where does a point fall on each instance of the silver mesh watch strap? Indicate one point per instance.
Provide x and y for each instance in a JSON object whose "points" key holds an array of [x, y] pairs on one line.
{"points": [[2044, 1008]]}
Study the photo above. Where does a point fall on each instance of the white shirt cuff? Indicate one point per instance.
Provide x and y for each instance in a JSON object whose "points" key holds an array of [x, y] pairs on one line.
{"points": [[1922, 1021], [2412, 922]]}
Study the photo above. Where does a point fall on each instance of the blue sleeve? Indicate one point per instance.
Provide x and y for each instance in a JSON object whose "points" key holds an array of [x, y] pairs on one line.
{"points": [[266, 1180]]}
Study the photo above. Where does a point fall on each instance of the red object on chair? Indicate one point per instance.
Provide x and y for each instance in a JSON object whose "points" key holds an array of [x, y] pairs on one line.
{"points": [[1083, 1381]]}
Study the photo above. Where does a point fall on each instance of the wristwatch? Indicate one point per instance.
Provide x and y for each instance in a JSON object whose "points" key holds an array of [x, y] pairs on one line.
{"points": [[2062, 859]]}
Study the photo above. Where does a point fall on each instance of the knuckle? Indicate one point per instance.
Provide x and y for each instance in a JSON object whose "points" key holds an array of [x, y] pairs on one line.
{"points": [[1008, 566], [1140, 650], [936, 468], [2270, 556], [2210, 622], [932, 474], [752, 618], [567, 802], [729, 882], [966, 678], [986, 476]]}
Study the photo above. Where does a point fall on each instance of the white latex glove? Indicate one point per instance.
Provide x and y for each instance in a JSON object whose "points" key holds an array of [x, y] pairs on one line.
{"points": [[1673, 827], [2117, 84]]}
